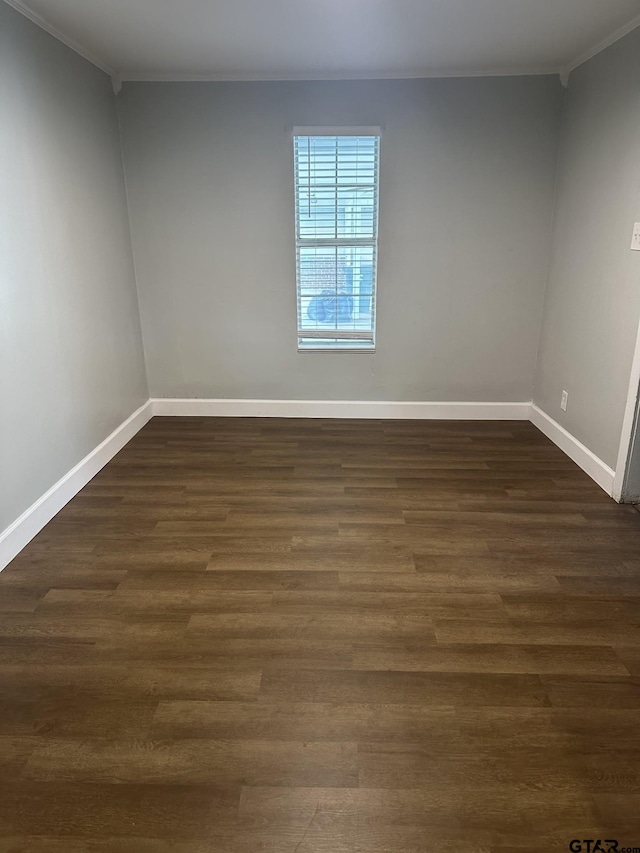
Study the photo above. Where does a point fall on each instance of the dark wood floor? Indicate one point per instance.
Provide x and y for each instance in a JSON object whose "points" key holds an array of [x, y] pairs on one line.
{"points": [[269, 636]]}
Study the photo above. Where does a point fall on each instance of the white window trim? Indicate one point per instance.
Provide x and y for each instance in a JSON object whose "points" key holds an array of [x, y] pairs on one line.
{"points": [[337, 131], [331, 343]]}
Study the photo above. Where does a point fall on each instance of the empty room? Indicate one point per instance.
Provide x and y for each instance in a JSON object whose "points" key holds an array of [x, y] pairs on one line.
{"points": [[319, 430]]}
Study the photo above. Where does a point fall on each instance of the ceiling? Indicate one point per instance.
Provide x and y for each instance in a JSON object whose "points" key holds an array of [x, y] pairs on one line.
{"points": [[315, 39]]}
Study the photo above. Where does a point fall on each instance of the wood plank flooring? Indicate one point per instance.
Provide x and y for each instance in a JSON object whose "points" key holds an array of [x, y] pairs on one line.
{"points": [[316, 636]]}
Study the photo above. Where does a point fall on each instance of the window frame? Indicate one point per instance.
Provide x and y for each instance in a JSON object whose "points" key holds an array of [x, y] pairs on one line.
{"points": [[343, 341]]}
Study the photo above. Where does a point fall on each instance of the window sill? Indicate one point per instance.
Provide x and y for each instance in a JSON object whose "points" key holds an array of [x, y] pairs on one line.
{"points": [[320, 345]]}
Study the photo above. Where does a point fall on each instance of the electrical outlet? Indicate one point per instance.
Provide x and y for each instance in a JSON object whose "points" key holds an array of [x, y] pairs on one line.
{"points": [[635, 240], [563, 401]]}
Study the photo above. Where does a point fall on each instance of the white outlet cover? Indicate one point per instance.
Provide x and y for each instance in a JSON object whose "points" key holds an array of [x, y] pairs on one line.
{"points": [[635, 240]]}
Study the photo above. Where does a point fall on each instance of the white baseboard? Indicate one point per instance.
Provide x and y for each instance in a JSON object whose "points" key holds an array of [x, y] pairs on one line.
{"points": [[31, 522], [581, 455], [340, 409]]}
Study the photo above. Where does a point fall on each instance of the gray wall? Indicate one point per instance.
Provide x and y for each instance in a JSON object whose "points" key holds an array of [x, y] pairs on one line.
{"points": [[71, 362], [467, 178], [592, 303]]}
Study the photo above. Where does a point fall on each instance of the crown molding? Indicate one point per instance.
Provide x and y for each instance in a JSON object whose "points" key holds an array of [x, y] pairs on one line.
{"points": [[133, 76], [597, 48], [41, 22], [187, 77]]}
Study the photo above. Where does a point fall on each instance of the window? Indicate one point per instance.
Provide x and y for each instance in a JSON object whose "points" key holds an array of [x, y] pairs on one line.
{"points": [[336, 187]]}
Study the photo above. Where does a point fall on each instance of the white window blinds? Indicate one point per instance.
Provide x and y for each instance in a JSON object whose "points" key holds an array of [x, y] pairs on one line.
{"points": [[336, 187]]}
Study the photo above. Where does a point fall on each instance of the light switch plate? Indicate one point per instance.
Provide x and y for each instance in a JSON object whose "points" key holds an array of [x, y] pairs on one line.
{"points": [[635, 240]]}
